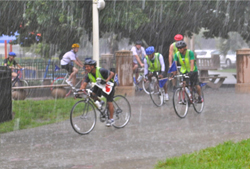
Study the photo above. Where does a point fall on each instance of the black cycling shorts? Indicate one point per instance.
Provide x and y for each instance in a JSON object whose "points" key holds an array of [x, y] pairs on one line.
{"points": [[68, 67], [100, 93]]}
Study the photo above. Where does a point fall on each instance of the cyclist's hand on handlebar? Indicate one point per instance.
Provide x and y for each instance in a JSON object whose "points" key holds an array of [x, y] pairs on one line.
{"points": [[103, 81]]}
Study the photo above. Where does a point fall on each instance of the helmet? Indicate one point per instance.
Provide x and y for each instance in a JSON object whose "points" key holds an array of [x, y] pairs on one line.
{"points": [[178, 37], [90, 62], [12, 54], [180, 44], [75, 45], [139, 42], [150, 50]]}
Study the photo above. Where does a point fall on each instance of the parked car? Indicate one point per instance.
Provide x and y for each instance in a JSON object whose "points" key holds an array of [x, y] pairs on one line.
{"points": [[230, 58], [206, 53]]}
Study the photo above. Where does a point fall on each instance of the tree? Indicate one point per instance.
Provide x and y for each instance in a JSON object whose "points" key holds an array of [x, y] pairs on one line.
{"points": [[62, 23]]}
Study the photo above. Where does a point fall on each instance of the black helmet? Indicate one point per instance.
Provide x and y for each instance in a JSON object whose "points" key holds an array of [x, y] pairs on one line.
{"points": [[139, 42], [90, 62], [180, 44]]}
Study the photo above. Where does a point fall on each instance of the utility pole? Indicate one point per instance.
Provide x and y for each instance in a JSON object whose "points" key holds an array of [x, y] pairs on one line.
{"points": [[97, 4]]}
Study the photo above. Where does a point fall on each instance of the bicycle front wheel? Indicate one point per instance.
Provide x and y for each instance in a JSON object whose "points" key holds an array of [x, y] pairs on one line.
{"points": [[145, 86], [156, 94], [122, 111], [180, 103], [198, 106], [83, 117]]}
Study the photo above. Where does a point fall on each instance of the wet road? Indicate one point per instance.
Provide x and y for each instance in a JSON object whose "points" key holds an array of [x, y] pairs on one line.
{"points": [[152, 134]]}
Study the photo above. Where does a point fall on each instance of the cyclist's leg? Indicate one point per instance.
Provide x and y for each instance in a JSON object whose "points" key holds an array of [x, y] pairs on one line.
{"points": [[135, 70], [13, 75], [73, 75], [110, 106]]}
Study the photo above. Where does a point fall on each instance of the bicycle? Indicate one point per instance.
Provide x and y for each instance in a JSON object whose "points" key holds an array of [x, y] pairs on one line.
{"points": [[142, 84], [83, 113], [185, 95], [156, 90], [17, 82], [62, 80]]}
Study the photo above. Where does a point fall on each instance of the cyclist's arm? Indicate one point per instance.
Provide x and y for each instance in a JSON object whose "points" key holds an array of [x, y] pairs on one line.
{"points": [[145, 67], [79, 61], [192, 65], [138, 60], [19, 66], [170, 56], [76, 62], [84, 85], [111, 75], [162, 63]]}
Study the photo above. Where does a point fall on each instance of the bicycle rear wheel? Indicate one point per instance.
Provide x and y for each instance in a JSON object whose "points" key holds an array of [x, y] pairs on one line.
{"points": [[198, 107], [83, 117], [122, 111], [25, 84], [180, 103], [156, 94]]}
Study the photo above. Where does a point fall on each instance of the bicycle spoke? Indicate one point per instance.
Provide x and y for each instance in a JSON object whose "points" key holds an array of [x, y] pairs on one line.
{"points": [[198, 106], [122, 111], [83, 117], [156, 94]]}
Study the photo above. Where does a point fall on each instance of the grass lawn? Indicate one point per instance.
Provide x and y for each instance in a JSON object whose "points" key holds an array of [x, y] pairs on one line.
{"points": [[30, 113], [226, 156]]}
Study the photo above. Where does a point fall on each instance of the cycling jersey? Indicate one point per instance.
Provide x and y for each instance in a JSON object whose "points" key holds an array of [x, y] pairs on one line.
{"points": [[68, 57], [10, 63]]}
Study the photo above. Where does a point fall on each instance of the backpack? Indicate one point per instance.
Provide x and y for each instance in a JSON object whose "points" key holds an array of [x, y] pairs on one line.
{"points": [[61, 55]]}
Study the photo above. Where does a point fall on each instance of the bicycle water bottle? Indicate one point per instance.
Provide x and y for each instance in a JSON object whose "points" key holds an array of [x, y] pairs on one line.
{"points": [[98, 104], [139, 78], [188, 92]]}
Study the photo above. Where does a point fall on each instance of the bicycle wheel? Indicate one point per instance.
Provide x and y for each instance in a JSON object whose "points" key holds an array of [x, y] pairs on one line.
{"points": [[83, 117], [122, 111], [58, 81], [25, 84], [145, 86], [156, 93], [198, 107], [180, 103]]}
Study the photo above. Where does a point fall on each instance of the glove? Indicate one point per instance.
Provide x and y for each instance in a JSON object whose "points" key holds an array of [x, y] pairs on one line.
{"points": [[103, 81], [190, 74]]}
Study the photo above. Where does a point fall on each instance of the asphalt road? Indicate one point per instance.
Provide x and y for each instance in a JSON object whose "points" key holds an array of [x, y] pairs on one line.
{"points": [[152, 134]]}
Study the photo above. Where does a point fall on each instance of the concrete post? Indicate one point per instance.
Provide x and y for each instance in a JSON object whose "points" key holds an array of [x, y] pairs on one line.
{"points": [[243, 69], [124, 69]]}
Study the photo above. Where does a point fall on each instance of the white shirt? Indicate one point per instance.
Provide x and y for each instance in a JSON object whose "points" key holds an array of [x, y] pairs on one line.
{"points": [[161, 61], [68, 57], [139, 52]]}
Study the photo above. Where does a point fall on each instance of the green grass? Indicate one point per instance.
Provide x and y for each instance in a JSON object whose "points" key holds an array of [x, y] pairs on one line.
{"points": [[30, 113], [227, 155]]}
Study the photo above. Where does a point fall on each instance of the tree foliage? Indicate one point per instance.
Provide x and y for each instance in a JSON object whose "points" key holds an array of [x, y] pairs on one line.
{"points": [[62, 23]]}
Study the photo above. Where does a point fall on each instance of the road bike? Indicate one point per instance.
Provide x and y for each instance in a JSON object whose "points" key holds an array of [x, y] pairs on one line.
{"points": [[141, 83], [156, 90], [62, 80], [83, 114], [185, 95], [18, 82]]}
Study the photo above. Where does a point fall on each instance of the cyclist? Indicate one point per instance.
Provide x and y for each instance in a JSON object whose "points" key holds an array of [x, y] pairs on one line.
{"points": [[186, 59], [138, 56], [66, 63], [172, 50], [10, 61], [153, 63], [106, 75]]}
